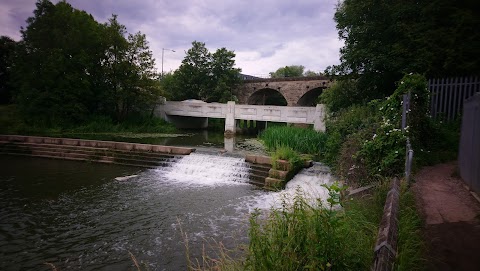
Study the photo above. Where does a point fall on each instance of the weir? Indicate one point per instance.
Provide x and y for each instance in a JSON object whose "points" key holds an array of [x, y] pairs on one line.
{"points": [[89, 216]]}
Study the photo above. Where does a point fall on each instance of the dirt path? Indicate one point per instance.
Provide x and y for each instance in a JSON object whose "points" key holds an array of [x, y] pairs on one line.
{"points": [[452, 219]]}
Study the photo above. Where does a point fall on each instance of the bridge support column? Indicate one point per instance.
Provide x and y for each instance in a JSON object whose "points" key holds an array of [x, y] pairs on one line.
{"points": [[319, 124], [230, 118]]}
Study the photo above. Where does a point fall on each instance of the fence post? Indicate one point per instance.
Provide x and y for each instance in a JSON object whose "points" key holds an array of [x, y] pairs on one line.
{"points": [[406, 107]]}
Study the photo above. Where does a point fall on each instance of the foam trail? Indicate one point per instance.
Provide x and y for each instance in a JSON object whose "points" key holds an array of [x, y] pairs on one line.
{"points": [[308, 183]]}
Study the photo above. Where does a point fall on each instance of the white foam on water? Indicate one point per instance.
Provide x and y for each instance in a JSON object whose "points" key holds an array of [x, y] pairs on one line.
{"points": [[307, 183], [208, 170]]}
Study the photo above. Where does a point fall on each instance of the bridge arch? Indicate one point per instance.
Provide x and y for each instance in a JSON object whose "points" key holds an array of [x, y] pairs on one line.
{"points": [[267, 96], [295, 90], [310, 97]]}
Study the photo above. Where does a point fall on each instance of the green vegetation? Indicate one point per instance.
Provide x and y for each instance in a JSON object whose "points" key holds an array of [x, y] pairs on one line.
{"points": [[299, 236], [410, 242], [7, 50], [301, 140], [292, 71], [68, 68], [203, 76], [364, 142], [423, 37], [98, 127]]}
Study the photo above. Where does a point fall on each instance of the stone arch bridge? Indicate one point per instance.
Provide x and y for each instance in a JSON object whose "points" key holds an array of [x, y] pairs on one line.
{"points": [[297, 91]]}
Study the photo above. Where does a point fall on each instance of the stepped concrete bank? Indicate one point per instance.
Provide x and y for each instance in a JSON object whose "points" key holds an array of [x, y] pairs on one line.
{"points": [[274, 178], [130, 154]]}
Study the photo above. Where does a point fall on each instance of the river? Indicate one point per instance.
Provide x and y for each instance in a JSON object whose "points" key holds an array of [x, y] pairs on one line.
{"points": [[78, 216]]}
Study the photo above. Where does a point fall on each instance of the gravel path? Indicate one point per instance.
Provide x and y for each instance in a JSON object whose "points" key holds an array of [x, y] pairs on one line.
{"points": [[452, 218]]}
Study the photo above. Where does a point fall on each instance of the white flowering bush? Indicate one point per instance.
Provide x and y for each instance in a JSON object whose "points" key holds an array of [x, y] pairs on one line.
{"points": [[384, 152]]}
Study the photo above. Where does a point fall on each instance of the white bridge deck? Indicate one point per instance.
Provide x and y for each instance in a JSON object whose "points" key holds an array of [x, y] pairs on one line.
{"points": [[232, 112]]}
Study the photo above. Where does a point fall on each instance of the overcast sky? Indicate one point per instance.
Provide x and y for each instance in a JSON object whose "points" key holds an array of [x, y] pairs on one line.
{"points": [[265, 34]]}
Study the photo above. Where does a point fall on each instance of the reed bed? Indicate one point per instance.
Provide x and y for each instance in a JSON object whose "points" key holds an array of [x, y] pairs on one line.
{"points": [[299, 139]]}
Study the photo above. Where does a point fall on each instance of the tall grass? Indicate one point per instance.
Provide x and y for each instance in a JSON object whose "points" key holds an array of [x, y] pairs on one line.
{"points": [[302, 237], [299, 236], [411, 248], [299, 139]]}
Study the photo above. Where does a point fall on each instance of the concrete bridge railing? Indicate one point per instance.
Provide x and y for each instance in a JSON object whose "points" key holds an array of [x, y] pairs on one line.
{"points": [[200, 112]]}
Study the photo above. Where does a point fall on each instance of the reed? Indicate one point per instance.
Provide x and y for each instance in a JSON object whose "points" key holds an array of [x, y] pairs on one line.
{"points": [[301, 140], [303, 237], [411, 248]]}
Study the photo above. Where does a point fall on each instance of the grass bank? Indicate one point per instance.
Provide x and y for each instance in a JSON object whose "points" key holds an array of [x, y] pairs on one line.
{"points": [[97, 127]]}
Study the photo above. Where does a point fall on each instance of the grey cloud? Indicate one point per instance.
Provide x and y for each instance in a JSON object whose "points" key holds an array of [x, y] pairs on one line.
{"points": [[264, 30]]}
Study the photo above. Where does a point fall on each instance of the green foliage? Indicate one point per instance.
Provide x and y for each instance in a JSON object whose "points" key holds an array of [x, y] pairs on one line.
{"points": [[204, 76], [334, 194], [11, 123], [385, 39], [287, 154], [302, 237], [288, 71], [343, 123], [69, 67], [384, 154], [366, 141], [340, 95], [299, 139], [7, 53], [310, 73], [410, 244]]}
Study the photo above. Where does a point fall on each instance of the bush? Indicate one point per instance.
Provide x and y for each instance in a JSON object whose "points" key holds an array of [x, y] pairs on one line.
{"points": [[343, 123]]}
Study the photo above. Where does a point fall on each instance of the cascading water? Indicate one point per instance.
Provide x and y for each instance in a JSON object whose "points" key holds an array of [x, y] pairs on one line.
{"points": [[204, 169], [78, 217]]}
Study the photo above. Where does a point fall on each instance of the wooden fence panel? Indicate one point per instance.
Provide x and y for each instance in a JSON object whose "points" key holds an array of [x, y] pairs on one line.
{"points": [[469, 150]]}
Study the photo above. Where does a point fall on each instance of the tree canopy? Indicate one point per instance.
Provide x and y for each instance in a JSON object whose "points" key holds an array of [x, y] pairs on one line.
{"points": [[204, 76], [386, 39], [69, 67], [292, 71], [7, 53]]}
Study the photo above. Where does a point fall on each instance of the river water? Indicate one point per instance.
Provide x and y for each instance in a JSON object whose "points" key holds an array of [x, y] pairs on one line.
{"points": [[78, 216]]}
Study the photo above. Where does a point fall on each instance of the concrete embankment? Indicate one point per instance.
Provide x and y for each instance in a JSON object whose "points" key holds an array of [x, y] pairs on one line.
{"points": [[131, 154], [267, 176]]}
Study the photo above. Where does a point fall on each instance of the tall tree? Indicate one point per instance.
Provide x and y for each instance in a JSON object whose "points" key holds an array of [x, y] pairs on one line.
{"points": [[129, 71], [204, 76], [385, 39], [61, 49], [70, 67], [7, 53]]}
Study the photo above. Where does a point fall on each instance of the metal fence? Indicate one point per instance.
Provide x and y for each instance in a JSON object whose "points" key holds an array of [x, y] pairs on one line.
{"points": [[448, 95], [469, 150], [408, 147]]}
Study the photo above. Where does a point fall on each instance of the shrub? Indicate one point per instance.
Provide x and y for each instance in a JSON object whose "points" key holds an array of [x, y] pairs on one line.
{"points": [[341, 94], [343, 123]]}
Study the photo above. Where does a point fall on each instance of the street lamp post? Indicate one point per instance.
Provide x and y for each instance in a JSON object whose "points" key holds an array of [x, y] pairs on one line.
{"points": [[163, 51]]}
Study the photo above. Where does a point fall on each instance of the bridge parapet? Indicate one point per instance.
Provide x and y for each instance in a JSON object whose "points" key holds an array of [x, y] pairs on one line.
{"points": [[232, 112]]}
